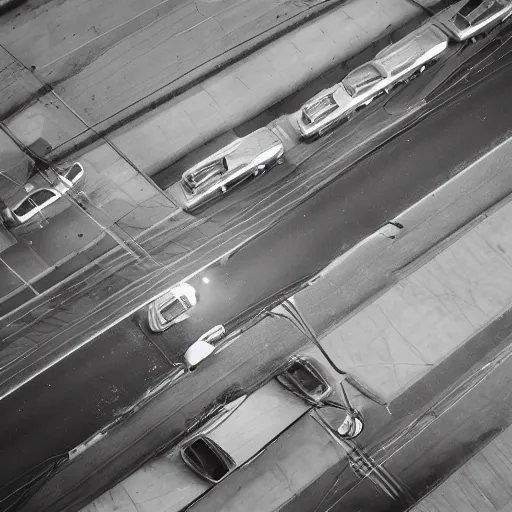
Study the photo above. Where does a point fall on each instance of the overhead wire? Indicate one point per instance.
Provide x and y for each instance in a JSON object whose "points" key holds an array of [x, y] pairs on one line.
{"points": [[297, 321]]}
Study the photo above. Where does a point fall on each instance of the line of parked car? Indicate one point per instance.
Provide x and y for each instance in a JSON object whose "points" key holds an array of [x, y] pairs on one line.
{"points": [[398, 63], [261, 150]]}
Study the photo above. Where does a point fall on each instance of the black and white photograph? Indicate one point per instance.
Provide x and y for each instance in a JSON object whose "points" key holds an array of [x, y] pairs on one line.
{"points": [[255, 256]]}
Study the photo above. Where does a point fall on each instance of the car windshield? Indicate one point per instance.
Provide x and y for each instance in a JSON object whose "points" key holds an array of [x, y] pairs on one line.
{"points": [[204, 175], [308, 379], [74, 172], [25, 207], [320, 108], [204, 459], [172, 310], [42, 196], [361, 79]]}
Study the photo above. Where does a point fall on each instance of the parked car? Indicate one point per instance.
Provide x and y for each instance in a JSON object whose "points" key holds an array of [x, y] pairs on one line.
{"points": [[306, 378], [231, 434], [40, 199], [470, 18], [395, 63], [216, 175], [171, 308]]}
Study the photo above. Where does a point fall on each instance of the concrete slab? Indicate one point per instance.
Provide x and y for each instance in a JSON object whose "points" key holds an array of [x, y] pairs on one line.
{"points": [[48, 119], [113, 60], [18, 84], [164, 484], [40, 34], [117, 496]]}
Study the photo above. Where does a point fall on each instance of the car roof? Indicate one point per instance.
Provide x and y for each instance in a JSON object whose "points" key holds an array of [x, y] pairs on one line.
{"points": [[410, 47], [257, 138]]}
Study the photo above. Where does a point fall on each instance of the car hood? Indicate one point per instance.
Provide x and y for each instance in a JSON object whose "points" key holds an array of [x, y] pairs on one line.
{"points": [[242, 151]]}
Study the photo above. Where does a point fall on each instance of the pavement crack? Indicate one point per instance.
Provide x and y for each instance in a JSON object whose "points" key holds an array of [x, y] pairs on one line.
{"points": [[407, 342], [494, 249]]}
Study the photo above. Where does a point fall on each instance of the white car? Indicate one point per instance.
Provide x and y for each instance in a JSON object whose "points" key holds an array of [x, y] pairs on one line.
{"points": [[469, 18], [230, 435], [38, 199], [216, 175], [395, 63], [171, 308]]}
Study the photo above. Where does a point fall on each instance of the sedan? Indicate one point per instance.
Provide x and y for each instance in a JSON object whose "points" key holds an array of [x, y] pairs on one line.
{"points": [[395, 63], [232, 434], [171, 308], [40, 199], [216, 175], [470, 18]]}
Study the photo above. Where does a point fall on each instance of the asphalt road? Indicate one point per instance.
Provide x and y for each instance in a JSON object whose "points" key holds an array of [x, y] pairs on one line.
{"points": [[351, 208], [73, 400], [321, 228], [115, 287]]}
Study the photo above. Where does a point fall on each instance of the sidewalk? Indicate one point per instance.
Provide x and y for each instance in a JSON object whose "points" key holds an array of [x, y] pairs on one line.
{"points": [[408, 303], [87, 52], [220, 102]]}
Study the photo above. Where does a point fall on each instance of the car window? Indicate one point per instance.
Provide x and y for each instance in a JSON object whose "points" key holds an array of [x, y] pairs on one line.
{"points": [[206, 174], [25, 207], [42, 196], [172, 310], [311, 383], [476, 11], [361, 79], [74, 172], [205, 460], [321, 108]]}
